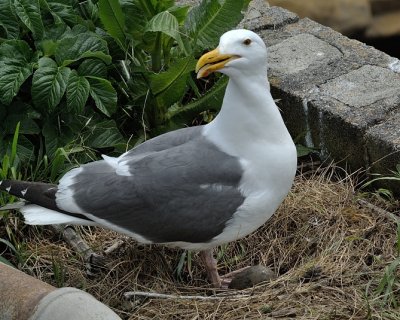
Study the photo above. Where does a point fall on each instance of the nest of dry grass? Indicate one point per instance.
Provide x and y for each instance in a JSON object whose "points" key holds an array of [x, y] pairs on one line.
{"points": [[329, 253]]}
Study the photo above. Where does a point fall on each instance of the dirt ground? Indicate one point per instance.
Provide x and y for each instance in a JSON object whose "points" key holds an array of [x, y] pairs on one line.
{"points": [[334, 256]]}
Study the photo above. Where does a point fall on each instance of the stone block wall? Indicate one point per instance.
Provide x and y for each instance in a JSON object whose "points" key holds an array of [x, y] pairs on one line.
{"points": [[340, 95]]}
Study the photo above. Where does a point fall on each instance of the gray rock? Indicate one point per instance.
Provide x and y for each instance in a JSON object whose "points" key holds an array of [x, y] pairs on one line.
{"points": [[251, 276]]}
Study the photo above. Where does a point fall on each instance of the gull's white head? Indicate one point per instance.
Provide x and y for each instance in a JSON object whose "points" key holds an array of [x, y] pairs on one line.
{"points": [[239, 52]]}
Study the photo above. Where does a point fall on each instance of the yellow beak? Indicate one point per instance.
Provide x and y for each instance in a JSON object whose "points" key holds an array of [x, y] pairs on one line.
{"points": [[211, 62]]}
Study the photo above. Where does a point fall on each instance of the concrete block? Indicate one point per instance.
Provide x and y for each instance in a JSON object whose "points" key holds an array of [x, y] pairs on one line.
{"points": [[382, 143], [332, 90], [343, 109], [260, 17], [299, 53], [363, 86], [354, 55]]}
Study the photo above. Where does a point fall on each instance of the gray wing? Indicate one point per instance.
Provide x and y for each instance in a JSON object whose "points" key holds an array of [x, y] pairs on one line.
{"points": [[187, 192], [165, 141]]}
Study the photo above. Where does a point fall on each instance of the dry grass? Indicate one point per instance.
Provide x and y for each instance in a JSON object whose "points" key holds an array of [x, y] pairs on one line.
{"points": [[330, 255]]}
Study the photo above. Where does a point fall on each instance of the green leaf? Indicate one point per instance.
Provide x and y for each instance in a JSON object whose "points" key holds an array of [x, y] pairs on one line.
{"points": [[62, 13], [103, 94], [179, 12], [5, 261], [209, 20], [162, 81], [13, 74], [14, 144], [93, 67], [48, 84], [211, 100], [25, 149], [28, 125], [135, 19], [170, 86], [8, 20], [166, 23], [104, 134], [84, 45], [29, 13], [57, 134], [15, 49], [23, 113], [303, 150], [77, 92], [113, 20]]}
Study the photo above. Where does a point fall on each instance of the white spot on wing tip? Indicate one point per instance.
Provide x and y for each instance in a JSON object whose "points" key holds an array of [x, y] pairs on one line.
{"points": [[8, 189], [23, 192]]}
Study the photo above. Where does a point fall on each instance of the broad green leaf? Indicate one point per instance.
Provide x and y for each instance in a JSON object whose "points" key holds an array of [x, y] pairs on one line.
{"points": [[162, 81], [135, 19], [93, 67], [28, 125], [15, 49], [104, 134], [62, 13], [77, 92], [25, 150], [179, 12], [48, 84], [88, 10], [84, 45], [8, 20], [25, 114], [13, 74], [209, 20], [170, 86], [211, 100], [113, 20], [55, 136], [103, 94], [29, 13], [166, 23]]}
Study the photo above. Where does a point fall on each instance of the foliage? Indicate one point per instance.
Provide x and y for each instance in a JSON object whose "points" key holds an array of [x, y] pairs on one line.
{"points": [[395, 176], [390, 282], [70, 71], [160, 42]]}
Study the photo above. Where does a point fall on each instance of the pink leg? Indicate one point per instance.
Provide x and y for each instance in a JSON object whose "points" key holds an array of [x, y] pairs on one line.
{"points": [[211, 266], [212, 271]]}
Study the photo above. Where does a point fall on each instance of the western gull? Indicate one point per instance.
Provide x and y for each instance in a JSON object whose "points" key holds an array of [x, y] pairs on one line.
{"points": [[194, 188]]}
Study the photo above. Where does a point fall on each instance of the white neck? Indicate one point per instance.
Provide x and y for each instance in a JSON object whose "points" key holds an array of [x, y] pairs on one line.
{"points": [[248, 113]]}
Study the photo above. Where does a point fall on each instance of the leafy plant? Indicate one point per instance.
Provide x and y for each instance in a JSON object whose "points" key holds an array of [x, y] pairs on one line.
{"points": [[384, 191], [53, 79], [161, 41], [70, 71]]}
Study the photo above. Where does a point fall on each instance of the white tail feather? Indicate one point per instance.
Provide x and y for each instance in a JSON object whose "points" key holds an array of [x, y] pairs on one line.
{"points": [[37, 215]]}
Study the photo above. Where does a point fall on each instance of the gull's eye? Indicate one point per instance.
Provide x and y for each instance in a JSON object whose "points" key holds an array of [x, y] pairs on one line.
{"points": [[247, 42]]}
